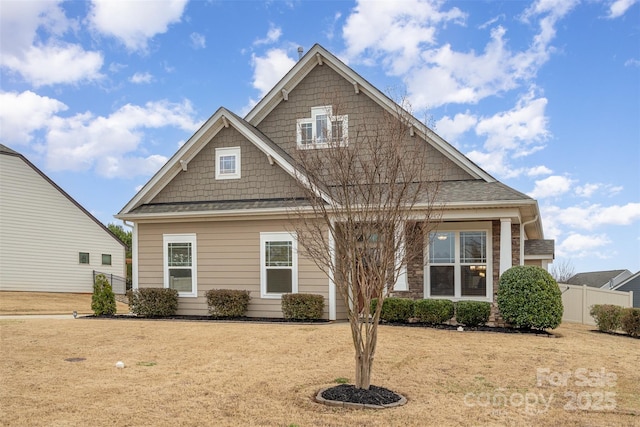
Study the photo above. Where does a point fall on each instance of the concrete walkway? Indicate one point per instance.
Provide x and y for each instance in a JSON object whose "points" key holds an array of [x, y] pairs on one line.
{"points": [[37, 316]]}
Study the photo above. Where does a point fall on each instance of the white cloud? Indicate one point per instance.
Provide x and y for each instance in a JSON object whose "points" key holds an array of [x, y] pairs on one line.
{"points": [[31, 46], [451, 128], [139, 78], [592, 216], [538, 170], [552, 186], [524, 124], [403, 36], [134, 22], [583, 245], [198, 41], [109, 144], [23, 113], [397, 31], [273, 35], [618, 8], [269, 69], [632, 63], [587, 190]]}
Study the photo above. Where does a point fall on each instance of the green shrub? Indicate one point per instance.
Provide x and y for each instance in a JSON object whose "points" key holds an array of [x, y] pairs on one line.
{"points": [[630, 321], [434, 311], [228, 302], [472, 313], [302, 306], [153, 302], [606, 316], [529, 297], [103, 300], [394, 309]]}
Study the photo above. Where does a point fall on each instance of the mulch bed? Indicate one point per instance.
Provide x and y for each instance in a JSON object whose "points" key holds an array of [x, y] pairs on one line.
{"points": [[206, 318], [504, 330], [349, 393]]}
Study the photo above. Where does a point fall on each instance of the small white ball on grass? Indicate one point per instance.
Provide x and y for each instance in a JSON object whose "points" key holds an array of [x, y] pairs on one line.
{"points": [[460, 329], [120, 364]]}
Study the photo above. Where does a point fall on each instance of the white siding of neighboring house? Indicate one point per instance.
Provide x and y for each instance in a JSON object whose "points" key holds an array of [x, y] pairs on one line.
{"points": [[42, 233]]}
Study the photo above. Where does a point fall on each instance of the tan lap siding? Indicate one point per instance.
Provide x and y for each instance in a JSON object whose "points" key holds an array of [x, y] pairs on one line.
{"points": [[228, 257]]}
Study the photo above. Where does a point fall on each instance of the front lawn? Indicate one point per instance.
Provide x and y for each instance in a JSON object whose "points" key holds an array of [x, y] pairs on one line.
{"points": [[179, 373]]}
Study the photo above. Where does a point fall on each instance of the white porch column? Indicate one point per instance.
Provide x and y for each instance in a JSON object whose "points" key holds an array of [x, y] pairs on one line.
{"points": [[506, 260], [402, 283], [332, 283], [134, 256]]}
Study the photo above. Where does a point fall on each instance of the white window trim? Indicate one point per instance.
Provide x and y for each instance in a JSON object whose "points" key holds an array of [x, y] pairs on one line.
{"points": [[271, 237], [457, 228], [181, 238], [317, 111], [229, 151]]}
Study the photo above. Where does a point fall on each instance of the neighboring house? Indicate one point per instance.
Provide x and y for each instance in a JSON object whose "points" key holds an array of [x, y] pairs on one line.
{"points": [[216, 215], [631, 283], [48, 242], [600, 279]]}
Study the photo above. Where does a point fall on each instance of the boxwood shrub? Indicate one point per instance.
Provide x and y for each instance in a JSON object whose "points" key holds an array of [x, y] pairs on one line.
{"points": [[153, 302], [607, 316], [473, 313], [433, 311], [227, 302], [630, 321], [529, 297], [394, 309], [302, 306]]}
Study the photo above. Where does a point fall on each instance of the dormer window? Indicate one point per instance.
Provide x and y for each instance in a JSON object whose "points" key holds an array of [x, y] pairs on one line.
{"points": [[322, 129]]}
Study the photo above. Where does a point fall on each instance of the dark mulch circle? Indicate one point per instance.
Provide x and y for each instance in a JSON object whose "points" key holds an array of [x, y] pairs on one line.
{"points": [[349, 393]]}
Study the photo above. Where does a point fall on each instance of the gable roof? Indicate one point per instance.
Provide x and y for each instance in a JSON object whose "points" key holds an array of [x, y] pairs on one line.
{"points": [[595, 279], [480, 192], [319, 56], [4, 150]]}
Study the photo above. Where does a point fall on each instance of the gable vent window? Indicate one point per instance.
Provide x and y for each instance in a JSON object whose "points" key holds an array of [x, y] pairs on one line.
{"points": [[322, 129], [228, 163]]}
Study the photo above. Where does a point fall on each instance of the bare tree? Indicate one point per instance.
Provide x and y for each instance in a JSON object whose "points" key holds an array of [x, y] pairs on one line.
{"points": [[371, 201], [562, 270]]}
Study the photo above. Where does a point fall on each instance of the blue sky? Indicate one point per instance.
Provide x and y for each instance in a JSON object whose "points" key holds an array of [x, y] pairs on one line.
{"points": [[544, 95]]}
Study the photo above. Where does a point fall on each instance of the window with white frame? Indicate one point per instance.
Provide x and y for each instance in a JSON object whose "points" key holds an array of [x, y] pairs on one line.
{"points": [[180, 267], [322, 129], [458, 266], [228, 163], [278, 264]]}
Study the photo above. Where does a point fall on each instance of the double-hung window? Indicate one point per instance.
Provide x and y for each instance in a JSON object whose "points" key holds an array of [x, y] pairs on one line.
{"points": [[322, 129], [180, 266], [278, 264], [458, 265], [228, 163]]}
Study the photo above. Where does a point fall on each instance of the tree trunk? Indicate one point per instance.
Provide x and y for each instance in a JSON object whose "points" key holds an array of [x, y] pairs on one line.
{"points": [[364, 363]]}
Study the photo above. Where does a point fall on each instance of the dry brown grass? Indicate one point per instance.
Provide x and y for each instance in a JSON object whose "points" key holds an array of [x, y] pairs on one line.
{"points": [[48, 303], [205, 373]]}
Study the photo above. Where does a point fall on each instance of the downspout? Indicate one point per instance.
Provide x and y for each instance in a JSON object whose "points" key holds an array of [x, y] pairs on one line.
{"points": [[134, 253], [522, 225]]}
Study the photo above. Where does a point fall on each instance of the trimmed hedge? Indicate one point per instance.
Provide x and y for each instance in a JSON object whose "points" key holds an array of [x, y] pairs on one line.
{"points": [[394, 309], [472, 313], [433, 311], [103, 300], [606, 316], [529, 297], [227, 302], [630, 321], [302, 306], [153, 302]]}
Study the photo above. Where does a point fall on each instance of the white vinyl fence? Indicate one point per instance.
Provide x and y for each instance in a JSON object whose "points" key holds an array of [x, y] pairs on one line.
{"points": [[577, 301]]}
